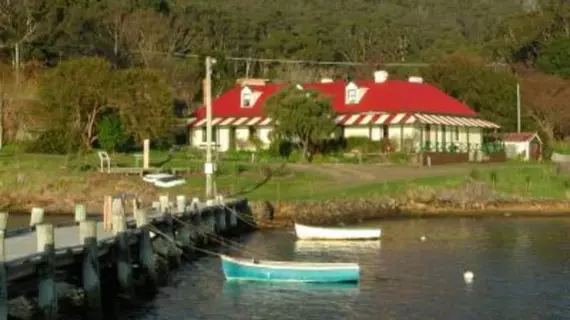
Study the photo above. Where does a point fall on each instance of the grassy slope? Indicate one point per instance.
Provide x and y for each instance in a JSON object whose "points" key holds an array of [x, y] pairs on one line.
{"points": [[31, 179]]}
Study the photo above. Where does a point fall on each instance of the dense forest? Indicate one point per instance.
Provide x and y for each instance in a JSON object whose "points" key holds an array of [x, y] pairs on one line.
{"points": [[475, 50]]}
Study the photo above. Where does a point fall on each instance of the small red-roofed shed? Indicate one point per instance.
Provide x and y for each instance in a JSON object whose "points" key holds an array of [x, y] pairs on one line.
{"points": [[522, 145]]}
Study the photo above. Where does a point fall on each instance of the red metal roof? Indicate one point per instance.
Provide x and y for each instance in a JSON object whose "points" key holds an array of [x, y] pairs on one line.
{"points": [[391, 96], [518, 136]]}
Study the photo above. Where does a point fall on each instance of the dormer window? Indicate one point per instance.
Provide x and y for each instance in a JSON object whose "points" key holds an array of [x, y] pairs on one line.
{"points": [[246, 98], [351, 94]]}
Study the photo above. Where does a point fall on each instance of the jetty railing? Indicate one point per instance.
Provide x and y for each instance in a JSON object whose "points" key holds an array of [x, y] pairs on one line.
{"points": [[112, 245]]}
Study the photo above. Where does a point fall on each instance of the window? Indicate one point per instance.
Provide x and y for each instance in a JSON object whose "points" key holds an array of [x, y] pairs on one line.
{"points": [[252, 131], [351, 96], [246, 99], [214, 134], [456, 133]]}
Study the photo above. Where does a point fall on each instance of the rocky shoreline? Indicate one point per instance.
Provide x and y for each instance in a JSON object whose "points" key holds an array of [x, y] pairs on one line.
{"points": [[474, 199]]}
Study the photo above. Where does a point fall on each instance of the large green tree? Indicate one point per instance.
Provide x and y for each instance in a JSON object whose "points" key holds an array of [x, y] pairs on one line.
{"points": [[75, 94], [144, 102], [302, 116], [489, 91]]}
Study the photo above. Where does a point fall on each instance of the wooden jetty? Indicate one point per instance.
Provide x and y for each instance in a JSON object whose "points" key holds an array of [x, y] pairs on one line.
{"points": [[116, 255]]}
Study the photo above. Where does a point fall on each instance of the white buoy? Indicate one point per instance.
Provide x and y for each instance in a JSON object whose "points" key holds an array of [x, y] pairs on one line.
{"points": [[468, 276], [423, 238]]}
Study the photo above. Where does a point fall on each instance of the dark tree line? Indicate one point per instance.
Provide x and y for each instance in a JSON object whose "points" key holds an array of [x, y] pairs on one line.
{"points": [[459, 38]]}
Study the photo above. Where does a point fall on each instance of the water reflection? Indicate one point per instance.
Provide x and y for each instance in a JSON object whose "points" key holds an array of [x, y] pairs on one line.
{"points": [[521, 269]]}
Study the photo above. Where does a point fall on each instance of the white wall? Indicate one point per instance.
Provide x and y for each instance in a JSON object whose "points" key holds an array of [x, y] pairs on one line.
{"points": [[223, 139], [356, 131], [513, 149], [263, 133]]}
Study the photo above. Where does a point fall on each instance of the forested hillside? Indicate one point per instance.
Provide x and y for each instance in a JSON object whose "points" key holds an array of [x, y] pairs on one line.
{"points": [[463, 41]]}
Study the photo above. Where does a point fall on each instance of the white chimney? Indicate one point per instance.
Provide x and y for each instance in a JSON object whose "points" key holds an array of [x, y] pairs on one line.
{"points": [[380, 76], [326, 80], [416, 79]]}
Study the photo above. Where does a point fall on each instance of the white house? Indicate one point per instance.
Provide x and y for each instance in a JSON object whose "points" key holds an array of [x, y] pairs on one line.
{"points": [[404, 111]]}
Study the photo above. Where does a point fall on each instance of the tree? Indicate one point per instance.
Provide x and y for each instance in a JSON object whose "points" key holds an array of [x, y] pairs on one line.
{"points": [[545, 98], [75, 94], [111, 133], [144, 102], [302, 116], [555, 58], [491, 92]]}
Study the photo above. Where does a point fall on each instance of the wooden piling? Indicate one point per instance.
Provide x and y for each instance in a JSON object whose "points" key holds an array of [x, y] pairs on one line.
{"points": [[47, 292], [195, 204], [124, 265], [36, 216], [107, 212], [164, 203], [220, 215], [91, 276], [174, 252], [3, 276], [146, 253], [180, 204], [156, 205], [80, 213]]}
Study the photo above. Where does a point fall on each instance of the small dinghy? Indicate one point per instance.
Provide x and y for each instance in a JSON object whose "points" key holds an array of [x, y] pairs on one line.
{"points": [[289, 271], [152, 177], [169, 182], [331, 233]]}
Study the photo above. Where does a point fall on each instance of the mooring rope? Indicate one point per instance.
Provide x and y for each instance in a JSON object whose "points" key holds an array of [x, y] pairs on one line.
{"points": [[221, 240], [166, 237], [234, 212]]}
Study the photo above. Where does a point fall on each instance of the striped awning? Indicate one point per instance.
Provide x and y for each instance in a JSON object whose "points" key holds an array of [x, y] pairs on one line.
{"points": [[358, 120], [231, 121]]}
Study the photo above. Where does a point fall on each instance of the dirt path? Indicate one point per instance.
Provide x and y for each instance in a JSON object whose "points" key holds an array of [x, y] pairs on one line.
{"points": [[348, 173]]}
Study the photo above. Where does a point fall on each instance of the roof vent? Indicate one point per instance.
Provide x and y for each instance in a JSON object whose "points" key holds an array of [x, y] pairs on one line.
{"points": [[380, 76], [252, 82], [416, 79], [326, 80]]}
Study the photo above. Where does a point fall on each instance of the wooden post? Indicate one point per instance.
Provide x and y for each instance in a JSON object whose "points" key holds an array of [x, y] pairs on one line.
{"points": [[47, 292], [117, 207], [107, 212], [195, 204], [80, 213], [3, 276], [173, 251], [91, 276], [164, 203], [156, 205], [124, 265], [181, 204], [220, 215], [146, 253], [146, 152], [36, 217]]}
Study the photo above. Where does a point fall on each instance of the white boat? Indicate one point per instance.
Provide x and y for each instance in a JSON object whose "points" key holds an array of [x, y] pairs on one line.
{"points": [[152, 177], [169, 182], [335, 233]]}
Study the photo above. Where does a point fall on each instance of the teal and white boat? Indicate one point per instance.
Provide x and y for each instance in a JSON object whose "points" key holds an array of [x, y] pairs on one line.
{"points": [[289, 271]]}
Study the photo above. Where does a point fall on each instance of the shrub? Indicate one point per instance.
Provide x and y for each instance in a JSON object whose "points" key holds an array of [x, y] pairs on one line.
{"points": [[388, 145], [281, 148], [111, 134], [361, 144], [55, 141], [399, 157]]}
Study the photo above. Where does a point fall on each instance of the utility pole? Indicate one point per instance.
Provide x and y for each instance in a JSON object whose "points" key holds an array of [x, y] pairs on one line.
{"points": [[518, 107], [209, 166]]}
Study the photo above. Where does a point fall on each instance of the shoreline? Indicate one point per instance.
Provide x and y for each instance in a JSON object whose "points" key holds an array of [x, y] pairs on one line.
{"points": [[552, 209]]}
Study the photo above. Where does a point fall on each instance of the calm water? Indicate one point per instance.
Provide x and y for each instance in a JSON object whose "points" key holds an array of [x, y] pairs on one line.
{"points": [[521, 266]]}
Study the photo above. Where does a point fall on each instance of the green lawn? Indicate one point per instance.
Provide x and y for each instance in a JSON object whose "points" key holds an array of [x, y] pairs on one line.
{"points": [[29, 179]]}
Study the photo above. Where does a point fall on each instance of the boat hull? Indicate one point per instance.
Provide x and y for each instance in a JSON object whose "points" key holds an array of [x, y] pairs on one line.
{"points": [[322, 233], [241, 269]]}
